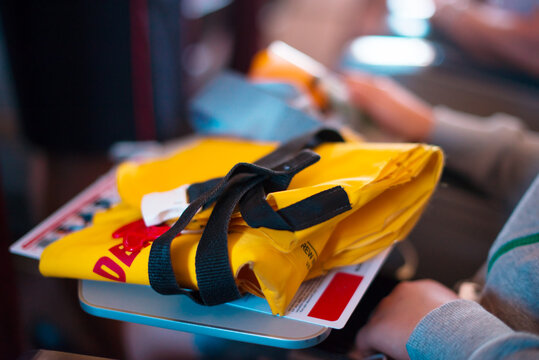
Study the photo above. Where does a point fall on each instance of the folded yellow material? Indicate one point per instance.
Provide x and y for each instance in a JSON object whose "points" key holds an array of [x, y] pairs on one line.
{"points": [[388, 186]]}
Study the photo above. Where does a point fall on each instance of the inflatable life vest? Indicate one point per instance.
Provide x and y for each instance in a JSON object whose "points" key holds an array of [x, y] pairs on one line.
{"points": [[258, 218]]}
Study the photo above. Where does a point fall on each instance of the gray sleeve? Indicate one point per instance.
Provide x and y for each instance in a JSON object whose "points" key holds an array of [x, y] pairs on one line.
{"points": [[497, 153], [511, 291], [462, 329]]}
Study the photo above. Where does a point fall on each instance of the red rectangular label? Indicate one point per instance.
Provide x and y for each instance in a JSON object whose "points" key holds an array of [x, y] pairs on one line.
{"points": [[336, 296]]}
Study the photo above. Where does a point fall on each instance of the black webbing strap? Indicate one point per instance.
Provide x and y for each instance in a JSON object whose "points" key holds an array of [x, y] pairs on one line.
{"points": [[215, 279], [196, 190], [305, 213], [227, 194], [216, 283], [256, 211], [271, 173], [308, 141], [311, 211], [317, 208], [160, 271]]}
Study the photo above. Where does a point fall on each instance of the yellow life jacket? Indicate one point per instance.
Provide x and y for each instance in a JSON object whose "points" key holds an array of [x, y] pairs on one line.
{"points": [[270, 217]]}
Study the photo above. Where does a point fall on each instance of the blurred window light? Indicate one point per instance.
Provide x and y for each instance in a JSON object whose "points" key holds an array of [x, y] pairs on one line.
{"points": [[411, 9], [408, 27], [392, 51]]}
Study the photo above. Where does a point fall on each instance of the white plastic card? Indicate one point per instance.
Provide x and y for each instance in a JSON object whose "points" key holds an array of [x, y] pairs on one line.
{"points": [[327, 300]]}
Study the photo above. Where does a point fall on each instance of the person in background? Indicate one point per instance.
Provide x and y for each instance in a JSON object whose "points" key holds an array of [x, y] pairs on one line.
{"points": [[499, 32], [504, 168], [424, 319]]}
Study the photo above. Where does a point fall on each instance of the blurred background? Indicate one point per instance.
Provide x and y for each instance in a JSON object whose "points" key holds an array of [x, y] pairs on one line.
{"points": [[77, 76]]}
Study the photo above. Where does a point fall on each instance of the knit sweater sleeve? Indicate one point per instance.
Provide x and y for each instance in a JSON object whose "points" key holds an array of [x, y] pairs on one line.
{"points": [[509, 329], [462, 329], [497, 153]]}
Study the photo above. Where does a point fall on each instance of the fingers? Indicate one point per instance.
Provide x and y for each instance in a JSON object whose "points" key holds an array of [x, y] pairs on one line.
{"points": [[398, 314], [364, 347], [372, 93], [361, 88], [367, 339], [391, 106]]}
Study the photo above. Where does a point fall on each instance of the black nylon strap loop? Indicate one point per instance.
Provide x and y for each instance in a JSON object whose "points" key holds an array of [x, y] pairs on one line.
{"points": [[256, 211], [278, 156], [198, 189], [305, 213], [216, 283], [308, 141], [160, 268], [160, 271], [316, 209], [273, 172]]}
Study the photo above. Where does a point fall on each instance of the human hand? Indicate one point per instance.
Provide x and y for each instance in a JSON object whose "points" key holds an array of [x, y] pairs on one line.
{"points": [[391, 106], [397, 315]]}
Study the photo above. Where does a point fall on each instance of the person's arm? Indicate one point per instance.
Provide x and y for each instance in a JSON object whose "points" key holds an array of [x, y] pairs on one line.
{"points": [[462, 329], [490, 33], [424, 320], [497, 153]]}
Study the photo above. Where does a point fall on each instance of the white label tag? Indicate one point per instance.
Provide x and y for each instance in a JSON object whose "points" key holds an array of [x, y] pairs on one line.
{"points": [[158, 207]]}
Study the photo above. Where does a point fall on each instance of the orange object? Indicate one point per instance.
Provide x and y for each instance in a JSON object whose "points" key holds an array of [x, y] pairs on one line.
{"points": [[280, 62]]}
